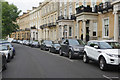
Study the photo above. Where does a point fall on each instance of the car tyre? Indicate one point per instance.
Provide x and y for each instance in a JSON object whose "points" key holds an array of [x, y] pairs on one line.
{"points": [[70, 55], [60, 52], [85, 58], [9, 58], [102, 64]]}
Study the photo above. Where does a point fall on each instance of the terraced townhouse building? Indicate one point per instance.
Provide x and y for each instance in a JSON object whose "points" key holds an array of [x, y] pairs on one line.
{"points": [[86, 20], [23, 33]]}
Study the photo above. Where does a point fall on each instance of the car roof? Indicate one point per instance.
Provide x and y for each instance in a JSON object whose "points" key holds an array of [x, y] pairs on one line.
{"points": [[102, 41]]}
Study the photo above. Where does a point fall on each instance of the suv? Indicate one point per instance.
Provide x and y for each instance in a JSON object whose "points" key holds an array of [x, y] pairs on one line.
{"points": [[102, 52], [72, 48]]}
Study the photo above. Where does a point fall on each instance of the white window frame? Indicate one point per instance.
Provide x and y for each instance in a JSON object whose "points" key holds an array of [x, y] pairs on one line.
{"points": [[93, 3], [65, 13], [119, 24], [95, 30], [103, 32], [70, 11], [84, 3]]}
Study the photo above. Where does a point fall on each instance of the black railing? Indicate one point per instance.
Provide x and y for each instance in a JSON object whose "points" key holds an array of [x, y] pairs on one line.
{"points": [[72, 17], [105, 7], [83, 9], [43, 26], [53, 24]]}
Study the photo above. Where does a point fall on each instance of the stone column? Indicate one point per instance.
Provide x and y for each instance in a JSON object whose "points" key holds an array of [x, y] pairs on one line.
{"points": [[84, 30], [78, 30], [61, 31], [91, 29], [116, 29]]}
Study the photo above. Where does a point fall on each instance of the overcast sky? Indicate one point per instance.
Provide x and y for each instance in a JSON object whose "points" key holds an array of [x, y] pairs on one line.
{"points": [[25, 5]]}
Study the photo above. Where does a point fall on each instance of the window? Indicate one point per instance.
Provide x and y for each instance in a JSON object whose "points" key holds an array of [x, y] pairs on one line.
{"points": [[93, 3], [60, 12], [70, 31], [55, 18], [77, 4], [119, 24], [106, 28], [65, 2], [84, 3], [60, 3], [70, 11], [65, 13], [95, 29]]}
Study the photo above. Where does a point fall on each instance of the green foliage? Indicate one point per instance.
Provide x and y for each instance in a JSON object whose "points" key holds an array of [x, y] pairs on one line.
{"points": [[9, 14]]}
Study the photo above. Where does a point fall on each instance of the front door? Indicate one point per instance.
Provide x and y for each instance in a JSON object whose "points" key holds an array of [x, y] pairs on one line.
{"points": [[87, 34]]}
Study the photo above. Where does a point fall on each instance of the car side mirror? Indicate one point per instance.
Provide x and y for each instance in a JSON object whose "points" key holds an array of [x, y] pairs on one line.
{"points": [[96, 46]]}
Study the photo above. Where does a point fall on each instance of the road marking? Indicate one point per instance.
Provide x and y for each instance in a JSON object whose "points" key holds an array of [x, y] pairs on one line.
{"points": [[110, 78]]}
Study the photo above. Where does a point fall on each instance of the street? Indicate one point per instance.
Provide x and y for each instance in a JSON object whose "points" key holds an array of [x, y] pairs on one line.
{"points": [[34, 63]]}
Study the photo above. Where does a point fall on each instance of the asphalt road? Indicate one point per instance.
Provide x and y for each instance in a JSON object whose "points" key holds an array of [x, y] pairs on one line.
{"points": [[34, 63]]}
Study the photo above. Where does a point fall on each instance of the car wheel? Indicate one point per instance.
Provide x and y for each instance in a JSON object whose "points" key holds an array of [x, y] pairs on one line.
{"points": [[102, 64], [60, 52], [70, 55], [85, 58], [9, 58]]}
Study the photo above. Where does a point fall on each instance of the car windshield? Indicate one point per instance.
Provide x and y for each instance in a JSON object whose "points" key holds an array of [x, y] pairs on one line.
{"points": [[104, 45], [114, 45], [56, 45], [2, 48], [48, 42], [81, 42], [74, 42], [9, 44], [35, 42]]}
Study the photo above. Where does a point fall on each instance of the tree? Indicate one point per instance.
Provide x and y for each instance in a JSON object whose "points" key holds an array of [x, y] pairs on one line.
{"points": [[9, 14]]}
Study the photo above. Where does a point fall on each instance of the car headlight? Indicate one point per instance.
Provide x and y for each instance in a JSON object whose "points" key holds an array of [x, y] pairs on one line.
{"points": [[112, 55], [76, 49]]}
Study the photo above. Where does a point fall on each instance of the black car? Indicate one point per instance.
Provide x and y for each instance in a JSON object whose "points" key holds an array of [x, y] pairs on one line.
{"points": [[55, 48], [46, 45], [35, 44], [72, 48], [4, 62]]}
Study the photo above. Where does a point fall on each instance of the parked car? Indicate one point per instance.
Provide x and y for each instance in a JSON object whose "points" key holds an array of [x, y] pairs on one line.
{"points": [[24, 41], [104, 52], [35, 44], [10, 45], [21, 42], [27, 43], [18, 41], [55, 48], [30, 42], [7, 50], [46, 45], [72, 48], [3, 63], [14, 41]]}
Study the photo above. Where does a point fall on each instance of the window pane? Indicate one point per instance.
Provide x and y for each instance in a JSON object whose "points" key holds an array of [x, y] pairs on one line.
{"points": [[119, 25]]}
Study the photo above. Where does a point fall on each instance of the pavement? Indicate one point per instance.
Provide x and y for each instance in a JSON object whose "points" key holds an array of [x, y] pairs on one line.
{"points": [[35, 63]]}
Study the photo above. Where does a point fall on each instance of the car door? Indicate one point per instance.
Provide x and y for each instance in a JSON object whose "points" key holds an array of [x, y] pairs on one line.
{"points": [[94, 51], [88, 49], [63, 46], [66, 46]]}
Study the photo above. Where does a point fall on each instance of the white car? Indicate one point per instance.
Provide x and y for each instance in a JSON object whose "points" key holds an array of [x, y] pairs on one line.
{"points": [[105, 52], [8, 52]]}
